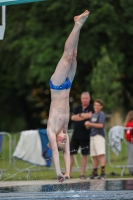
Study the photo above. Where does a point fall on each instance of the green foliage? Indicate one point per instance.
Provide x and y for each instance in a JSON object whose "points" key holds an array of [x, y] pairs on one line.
{"points": [[105, 82], [33, 44]]}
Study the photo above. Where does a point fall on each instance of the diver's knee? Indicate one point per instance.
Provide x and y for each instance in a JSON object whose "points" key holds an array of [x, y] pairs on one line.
{"points": [[75, 55], [68, 56]]}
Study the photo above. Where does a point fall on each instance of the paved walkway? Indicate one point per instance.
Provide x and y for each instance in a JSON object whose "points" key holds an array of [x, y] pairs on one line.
{"points": [[47, 182]]}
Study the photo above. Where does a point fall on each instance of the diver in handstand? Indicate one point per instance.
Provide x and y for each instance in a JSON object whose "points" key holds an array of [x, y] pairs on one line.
{"points": [[60, 84]]}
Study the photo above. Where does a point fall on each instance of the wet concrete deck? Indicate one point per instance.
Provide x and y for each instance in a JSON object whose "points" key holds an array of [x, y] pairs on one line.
{"points": [[47, 182]]}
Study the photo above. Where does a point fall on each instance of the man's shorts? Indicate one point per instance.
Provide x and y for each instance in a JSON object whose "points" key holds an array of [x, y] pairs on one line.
{"points": [[84, 144], [97, 145]]}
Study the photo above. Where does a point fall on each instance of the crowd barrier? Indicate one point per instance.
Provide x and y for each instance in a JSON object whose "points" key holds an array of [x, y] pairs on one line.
{"points": [[118, 159], [115, 161], [33, 168], [22, 166], [5, 152]]}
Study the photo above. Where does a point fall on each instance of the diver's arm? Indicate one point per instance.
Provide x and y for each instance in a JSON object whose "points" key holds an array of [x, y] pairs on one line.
{"points": [[66, 156], [55, 153]]}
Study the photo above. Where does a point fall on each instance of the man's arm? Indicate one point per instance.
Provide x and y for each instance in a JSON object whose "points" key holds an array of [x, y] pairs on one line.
{"points": [[95, 125], [81, 116]]}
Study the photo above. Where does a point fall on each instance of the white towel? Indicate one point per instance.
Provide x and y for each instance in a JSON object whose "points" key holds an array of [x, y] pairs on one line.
{"points": [[29, 148], [116, 135]]}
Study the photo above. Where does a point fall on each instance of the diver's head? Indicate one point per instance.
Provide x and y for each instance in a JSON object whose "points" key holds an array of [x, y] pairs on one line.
{"points": [[61, 139]]}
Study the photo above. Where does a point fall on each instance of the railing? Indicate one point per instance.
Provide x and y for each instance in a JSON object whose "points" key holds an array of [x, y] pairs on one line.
{"points": [[6, 152], [115, 161], [32, 168], [119, 158]]}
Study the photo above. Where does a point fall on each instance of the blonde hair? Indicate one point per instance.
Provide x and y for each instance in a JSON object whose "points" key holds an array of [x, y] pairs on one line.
{"points": [[59, 149], [129, 117]]}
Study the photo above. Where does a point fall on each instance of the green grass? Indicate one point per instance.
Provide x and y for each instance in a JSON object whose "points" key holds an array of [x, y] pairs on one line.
{"points": [[18, 170]]}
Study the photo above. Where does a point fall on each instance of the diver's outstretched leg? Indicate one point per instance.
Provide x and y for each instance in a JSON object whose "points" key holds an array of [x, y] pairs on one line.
{"points": [[73, 67], [63, 67]]}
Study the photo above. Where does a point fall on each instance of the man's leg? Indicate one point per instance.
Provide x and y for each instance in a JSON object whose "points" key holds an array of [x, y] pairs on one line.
{"points": [[71, 163], [83, 165], [102, 164], [93, 154], [100, 148], [74, 146], [100, 152], [63, 67], [95, 163], [101, 160], [85, 151], [94, 174]]}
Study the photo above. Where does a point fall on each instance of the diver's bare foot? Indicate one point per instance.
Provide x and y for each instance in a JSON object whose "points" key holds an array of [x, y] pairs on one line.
{"points": [[80, 19]]}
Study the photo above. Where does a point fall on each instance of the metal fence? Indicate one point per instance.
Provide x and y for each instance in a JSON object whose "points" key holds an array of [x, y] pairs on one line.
{"points": [[5, 152], [22, 166], [115, 161], [18, 166], [118, 159]]}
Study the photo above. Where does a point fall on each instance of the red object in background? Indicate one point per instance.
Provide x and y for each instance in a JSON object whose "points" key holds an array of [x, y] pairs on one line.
{"points": [[129, 133]]}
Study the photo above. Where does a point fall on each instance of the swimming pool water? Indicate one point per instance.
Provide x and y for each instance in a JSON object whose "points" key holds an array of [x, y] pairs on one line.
{"points": [[96, 189]]}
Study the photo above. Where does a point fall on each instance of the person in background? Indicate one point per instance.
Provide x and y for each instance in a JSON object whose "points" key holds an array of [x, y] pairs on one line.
{"points": [[81, 135], [97, 139], [129, 137]]}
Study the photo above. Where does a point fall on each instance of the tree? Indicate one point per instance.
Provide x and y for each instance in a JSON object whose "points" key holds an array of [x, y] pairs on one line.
{"points": [[33, 44], [105, 82]]}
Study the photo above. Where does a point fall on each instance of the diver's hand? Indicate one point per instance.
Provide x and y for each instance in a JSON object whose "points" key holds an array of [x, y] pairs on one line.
{"points": [[67, 176], [62, 177]]}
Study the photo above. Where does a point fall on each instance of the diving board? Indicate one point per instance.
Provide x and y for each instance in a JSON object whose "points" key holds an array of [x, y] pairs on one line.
{"points": [[12, 2], [3, 4]]}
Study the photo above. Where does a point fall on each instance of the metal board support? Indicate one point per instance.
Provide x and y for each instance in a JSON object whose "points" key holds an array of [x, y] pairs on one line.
{"points": [[9, 153], [2, 21], [3, 4]]}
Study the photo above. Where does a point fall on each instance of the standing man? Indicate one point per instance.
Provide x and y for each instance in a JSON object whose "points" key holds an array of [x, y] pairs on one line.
{"points": [[81, 135], [97, 139]]}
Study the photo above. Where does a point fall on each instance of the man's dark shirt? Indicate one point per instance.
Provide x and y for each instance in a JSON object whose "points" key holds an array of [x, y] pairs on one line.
{"points": [[80, 131]]}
